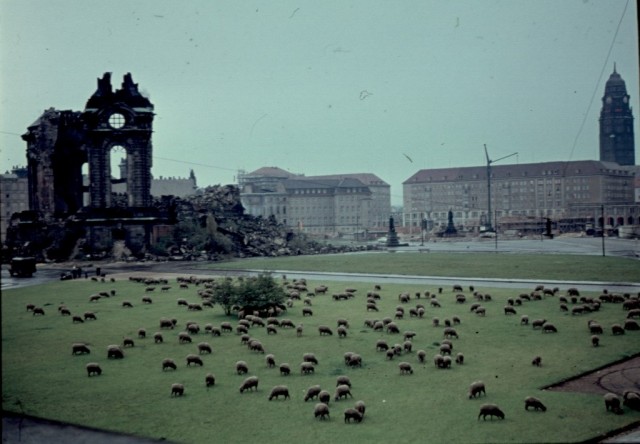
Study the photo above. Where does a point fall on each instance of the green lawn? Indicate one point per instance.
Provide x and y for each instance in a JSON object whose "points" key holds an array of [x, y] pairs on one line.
{"points": [[487, 265], [42, 378]]}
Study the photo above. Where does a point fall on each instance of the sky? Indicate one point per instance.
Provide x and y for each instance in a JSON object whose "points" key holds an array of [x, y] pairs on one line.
{"points": [[330, 87]]}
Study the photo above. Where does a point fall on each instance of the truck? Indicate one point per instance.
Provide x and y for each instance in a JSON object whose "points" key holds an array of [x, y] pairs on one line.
{"points": [[22, 266]]}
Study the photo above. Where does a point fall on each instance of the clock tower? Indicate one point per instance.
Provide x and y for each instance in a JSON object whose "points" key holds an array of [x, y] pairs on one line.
{"points": [[616, 123]]}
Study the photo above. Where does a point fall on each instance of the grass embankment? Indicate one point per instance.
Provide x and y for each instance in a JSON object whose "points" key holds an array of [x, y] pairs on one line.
{"points": [[486, 265], [41, 377]]}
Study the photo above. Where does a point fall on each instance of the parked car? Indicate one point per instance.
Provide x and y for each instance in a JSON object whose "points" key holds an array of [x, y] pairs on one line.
{"points": [[22, 266]]}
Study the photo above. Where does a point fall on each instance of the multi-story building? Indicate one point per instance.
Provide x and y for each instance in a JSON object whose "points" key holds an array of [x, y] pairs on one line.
{"points": [[14, 187], [572, 194], [347, 205]]}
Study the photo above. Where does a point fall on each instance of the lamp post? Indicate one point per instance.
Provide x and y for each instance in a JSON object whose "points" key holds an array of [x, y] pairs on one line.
{"points": [[489, 162]]}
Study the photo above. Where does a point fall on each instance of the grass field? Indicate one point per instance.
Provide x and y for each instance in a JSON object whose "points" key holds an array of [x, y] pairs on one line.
{"points": [[42, 378], [486, 265]]}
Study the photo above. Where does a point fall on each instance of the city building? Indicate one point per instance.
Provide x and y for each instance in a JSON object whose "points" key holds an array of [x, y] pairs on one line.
{"points": [[573, 195], [616, 123], [353, 206], [14, 189]]}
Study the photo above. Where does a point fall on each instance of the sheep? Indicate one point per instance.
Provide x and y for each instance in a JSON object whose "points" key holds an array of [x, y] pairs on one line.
{"points": [[461, 299], [360, 406], [538, 323], [306, 311], [422, 355], [446, 362], [450, 332], [524, 320], [481, 311], [459, 359], [285, 369], [324, 330], [355, 361], [595, 340], [631, 399], [312, 392], [204, 347], [94, 298], [321, 409], [64, 311], [77, 320], [616, 329], [209, 380], [397, 349], [405, 368], [166, 323], [381, 345], [631, 325], [531, 401], [342, 391], [193, 328], [548, 327], [30, 307], [350, 414], [242, 367], [612, 402], [193, 359], [169, 363], [93, 369], [435, 322], [38, 311], [256, 346], [249, 384], [434, 303], [241, 329], [270, 360], [343, 380], [215, 331], [476, 388], [407, 346], [306, 368], [310, 357], [445, 349], [455, 320], [226, 327], [127, 342], [127, 304], [79, 349], [177, 389], [147, 300], [184, 337], [390, 354], [508, 309], [115, 352], [392, 328], [490, 410], [409, 335], [437, 360], [537, 361], [378, 326], [279, 390], [371, 306], [457, 287], [157, 338]]}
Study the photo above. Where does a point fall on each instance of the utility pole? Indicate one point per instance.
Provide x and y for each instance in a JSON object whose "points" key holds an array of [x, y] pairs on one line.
{"points": [[489, 162]]}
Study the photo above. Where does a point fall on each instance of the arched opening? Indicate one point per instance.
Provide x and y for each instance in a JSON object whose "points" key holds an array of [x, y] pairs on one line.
{"points": [[620, 221], [118, 170], [84, 170]]}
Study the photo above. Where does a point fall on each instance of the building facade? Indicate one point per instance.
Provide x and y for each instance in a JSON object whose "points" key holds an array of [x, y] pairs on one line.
{"points": [[616, 123], [14, 189], [348, 205], [573, 195]]}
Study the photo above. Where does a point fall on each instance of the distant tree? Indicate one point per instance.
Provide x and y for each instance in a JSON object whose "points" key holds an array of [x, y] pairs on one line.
{"points": [[259, 293], [225, 294]]}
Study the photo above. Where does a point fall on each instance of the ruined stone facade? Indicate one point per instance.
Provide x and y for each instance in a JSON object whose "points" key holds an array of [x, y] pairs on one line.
{"points": [[60, 143]]}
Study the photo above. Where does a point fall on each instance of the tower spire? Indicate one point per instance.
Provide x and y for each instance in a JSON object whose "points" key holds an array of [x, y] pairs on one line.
{"points": [[614, 67]]}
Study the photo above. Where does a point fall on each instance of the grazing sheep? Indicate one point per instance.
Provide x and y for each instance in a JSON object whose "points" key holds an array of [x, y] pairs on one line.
{"points": [[127, 342], [285, 370], [93, 369], [342, 391], [350, 414], [450, 332], [306, 311], [204, 347], [612, 402], [405, 368], [193, 328], [438, 360], [256, 346], [343, 380], [407, 346], [524, 320], [147, 300], [249, 384], [538, 323], [455, 320], [194, 359], [434, 303], [422, 355], [508, 309], [279, 390], [177, 389], [616, 329], [490, 410], [381, 345], [457, 287], [169, 363], [435, 322], [481, 311], [299, 330], [127, 304], [355, 361], [306, 368], [371, 306], [537, 361], [476, 388], [409, 335], [446, 362], [595, 340], [548, 327], [77, 320], [312, 392], [390, 354], [459, 359], [324, 330], [631, 325], [157, 338], [142, 333], [631, 399], [461, 299], [322, 410], [360, 406], [226, 327], [30, 307], [272, 330], [166, 323], [531, 401], [242, 368], [184, 337], [215, 331], [392, 328], [310, 357], [209, 380], [270, 360], [64, 311], [94, 298], [445, 349], [79, 349], [38, 311], [595, 328], [115, 352]]}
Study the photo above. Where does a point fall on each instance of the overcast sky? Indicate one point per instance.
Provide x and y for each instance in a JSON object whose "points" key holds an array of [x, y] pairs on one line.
{"points": [[327, 87]]}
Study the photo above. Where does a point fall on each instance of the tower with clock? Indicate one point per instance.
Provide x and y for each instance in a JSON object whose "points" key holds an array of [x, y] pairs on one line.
{"points": [[616, 123]]}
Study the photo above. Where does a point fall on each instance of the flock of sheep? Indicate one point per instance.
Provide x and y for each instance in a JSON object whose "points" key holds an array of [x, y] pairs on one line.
{"points": [[274, 322]]}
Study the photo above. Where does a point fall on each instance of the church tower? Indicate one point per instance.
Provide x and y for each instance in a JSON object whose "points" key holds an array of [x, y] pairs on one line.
{"points": [[616, 123]]}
